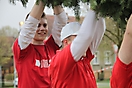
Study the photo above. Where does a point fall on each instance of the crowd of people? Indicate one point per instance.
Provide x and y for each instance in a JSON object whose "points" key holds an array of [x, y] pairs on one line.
{"points": [[63, 60]]}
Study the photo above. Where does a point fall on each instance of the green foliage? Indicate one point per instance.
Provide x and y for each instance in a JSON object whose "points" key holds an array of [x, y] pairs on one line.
{"points": [[24, 2], [4, 45], [5, 49], [7, 36], [119, 10], [9, 76], [8, 31], [74, 4]]}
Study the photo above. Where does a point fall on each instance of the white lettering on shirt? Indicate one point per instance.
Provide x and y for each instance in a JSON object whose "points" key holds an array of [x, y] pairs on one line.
{"points": [[37, 63], [43, 64]]}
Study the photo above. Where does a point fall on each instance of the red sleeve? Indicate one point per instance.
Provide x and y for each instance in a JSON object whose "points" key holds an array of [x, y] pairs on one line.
{"points": [[121, 75], [18, 53], [89, 55], [16, 49]]}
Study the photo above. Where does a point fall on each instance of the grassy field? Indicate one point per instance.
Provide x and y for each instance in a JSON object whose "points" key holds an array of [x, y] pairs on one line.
{"points": [[103, 87], [103, 84]]}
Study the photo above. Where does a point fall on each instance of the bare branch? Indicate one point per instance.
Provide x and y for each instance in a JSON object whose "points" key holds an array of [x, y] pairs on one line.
{"points": [[111, 33], [110, 38]]}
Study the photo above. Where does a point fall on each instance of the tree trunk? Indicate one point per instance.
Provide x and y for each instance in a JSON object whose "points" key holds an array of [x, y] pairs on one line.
{"points": [[3, 76]]}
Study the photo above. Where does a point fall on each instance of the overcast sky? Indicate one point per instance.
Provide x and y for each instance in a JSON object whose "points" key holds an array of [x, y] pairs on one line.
{"points": [[11, 15]]}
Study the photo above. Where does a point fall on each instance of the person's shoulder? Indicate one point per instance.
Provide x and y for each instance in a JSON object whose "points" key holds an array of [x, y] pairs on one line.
{"points": [[49, 39], [15, 43]]}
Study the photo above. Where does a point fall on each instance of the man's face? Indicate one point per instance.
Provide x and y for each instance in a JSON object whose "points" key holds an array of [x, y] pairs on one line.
{"points": [[71, 38], [42, 30]]}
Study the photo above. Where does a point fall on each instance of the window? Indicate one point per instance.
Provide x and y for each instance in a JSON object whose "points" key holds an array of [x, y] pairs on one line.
{"points": [[107, 57], [96, 58]]}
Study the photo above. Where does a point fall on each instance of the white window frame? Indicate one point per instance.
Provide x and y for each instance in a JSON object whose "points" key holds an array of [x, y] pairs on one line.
{"points": [[107, 58], [95, 60]]}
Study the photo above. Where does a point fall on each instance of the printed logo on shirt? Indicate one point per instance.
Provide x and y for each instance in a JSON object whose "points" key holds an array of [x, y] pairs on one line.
{"points": [[42, 64]]}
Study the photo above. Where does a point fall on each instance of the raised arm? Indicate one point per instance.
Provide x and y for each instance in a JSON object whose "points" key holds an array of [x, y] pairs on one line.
{"points": [[29, 28], [126, 46], [100, 29], [91, 29], [60, 21]]}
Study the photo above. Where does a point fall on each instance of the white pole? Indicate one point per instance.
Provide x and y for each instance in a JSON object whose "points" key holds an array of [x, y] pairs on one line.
{"points": [[115, 47]]}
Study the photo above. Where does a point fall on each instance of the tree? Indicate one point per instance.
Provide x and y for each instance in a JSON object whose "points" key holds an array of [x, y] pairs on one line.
{"points": [[114, 32], [8, 31], [119, 10], [7, 37]]}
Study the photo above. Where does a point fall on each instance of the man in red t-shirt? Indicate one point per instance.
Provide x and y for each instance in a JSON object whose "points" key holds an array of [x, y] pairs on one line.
{"points": [[122, 70], [31, 53], [70, 67]]}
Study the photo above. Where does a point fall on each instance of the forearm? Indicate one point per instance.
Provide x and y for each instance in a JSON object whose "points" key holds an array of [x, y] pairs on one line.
{"points": [[129, 27], [58, 9], [84, 38], [37, 10], [100, 30], [27, 32], [87, 32], [126, 46], [29, 28], [60, 21]]}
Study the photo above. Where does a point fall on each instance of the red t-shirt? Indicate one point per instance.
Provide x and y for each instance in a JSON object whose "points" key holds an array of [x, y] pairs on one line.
{"points": [[65, 72], [121, 75], [32, 64]]}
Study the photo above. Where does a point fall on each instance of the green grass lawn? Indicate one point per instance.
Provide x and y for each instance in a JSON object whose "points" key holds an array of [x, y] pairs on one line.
{"points": [[103, 87], [103, 84]]}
